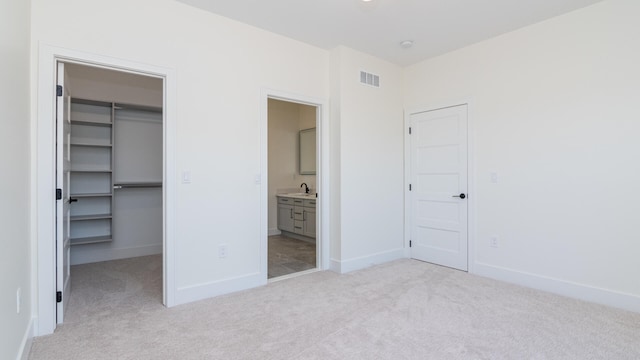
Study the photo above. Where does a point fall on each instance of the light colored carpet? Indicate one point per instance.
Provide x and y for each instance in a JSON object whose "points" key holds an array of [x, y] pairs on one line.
{"points": [[115, 287], [400, 310]]}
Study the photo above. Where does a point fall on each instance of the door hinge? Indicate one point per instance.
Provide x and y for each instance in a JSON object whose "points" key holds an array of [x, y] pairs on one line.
{"points": [[59, 296], [409, 187], [59, 90], [409, 243], [58, 194], [409, 130]]}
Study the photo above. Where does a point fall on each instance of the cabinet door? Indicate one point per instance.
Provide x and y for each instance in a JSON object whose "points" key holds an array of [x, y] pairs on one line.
{"points": [[285, 217], [309, 225]]}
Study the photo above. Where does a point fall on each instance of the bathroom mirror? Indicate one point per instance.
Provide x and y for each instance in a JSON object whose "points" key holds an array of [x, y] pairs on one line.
{"points": [[307, 151]]}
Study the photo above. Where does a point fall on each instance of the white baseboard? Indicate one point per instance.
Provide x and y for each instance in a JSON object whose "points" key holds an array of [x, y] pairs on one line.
{"points": [[91, 255], [27, 340], [561, 287], [193, 293], [362, 262], [274, 232]]}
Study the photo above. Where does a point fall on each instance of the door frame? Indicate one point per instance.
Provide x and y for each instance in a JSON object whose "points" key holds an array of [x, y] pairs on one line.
{"points": [[471, 176], [43, 166], [322, 179]]}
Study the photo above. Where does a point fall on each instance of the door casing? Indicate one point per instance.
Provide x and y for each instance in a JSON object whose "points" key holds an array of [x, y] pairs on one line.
{"points": [[471, 176], [43, 203]]}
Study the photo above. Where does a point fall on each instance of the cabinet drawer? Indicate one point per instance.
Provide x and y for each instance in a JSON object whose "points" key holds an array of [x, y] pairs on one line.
{"points": [[298, 202], [285, 200], [310, 203], [297, 227], [298, 213]]}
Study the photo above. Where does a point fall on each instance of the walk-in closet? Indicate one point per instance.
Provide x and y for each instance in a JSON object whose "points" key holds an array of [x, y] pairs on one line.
{"points": [[115, 189]]}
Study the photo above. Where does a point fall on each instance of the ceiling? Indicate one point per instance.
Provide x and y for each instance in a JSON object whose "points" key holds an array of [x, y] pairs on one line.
{"points": [[377, 27]]}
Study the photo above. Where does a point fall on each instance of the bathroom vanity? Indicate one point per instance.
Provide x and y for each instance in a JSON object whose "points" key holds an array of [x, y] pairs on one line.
{"points": [[297, 214]]}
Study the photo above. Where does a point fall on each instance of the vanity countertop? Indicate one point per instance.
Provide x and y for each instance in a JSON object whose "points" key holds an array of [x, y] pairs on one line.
{"points": [[298, 195]]}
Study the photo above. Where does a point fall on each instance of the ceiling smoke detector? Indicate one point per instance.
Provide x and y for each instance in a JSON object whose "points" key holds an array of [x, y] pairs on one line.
{"points": [[406, 44]]}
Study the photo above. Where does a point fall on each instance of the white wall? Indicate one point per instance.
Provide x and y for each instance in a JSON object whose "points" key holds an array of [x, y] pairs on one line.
{"points": [[285, 120], [221, 67], [555, 110], [15, 265], [369, 126]]}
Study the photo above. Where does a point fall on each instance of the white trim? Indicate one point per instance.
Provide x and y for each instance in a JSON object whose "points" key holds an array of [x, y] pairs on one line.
{"points": [[322, 164], [96, 255], [366, 261], [207, 290], [43, 125], [274, 232], [561, 287], [27, 340], [407, 180], [292, 275], [170, 181], [471, 176]]}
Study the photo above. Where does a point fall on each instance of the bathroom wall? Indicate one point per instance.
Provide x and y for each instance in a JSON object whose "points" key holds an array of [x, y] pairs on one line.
{"points": [[285, 122]]}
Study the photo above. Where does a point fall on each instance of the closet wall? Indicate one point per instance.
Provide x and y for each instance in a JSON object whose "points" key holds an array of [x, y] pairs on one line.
{"points": [[135, 227]]}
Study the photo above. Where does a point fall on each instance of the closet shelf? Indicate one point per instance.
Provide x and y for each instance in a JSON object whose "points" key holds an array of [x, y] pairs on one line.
{"points": [[92, 145], [90, 217], [91, 195], [91, 240], [90, 171], [90, 122]]}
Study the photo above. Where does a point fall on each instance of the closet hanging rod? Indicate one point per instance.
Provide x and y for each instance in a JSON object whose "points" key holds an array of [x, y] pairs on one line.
{"points": [[137, 185]]}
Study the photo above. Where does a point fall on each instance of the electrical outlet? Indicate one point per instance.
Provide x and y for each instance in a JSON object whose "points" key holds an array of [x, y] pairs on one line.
{"points": [[18, 300], [493, 242], [223, 251]]}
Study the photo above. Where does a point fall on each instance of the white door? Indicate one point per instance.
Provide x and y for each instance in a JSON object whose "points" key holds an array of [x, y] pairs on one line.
{"points": [[438, 222], [63, 167]]}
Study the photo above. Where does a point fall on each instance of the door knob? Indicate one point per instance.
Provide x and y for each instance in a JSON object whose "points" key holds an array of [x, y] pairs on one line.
{"points": [[461, 196]]}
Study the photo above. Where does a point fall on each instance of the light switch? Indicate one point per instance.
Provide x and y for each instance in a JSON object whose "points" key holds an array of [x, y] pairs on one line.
{"points": [[494, 177], [186, 177]]}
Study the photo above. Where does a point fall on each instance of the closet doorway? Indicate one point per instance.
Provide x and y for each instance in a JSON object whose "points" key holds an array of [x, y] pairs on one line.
{"points": [[293, 244], [109, 172]]}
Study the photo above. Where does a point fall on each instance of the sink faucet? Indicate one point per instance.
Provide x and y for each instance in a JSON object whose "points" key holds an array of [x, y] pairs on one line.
{"points": [[306, 188]]}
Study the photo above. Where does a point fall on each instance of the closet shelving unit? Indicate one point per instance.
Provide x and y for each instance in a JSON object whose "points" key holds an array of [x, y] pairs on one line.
{"points": [[94, 151], [91, 176]]}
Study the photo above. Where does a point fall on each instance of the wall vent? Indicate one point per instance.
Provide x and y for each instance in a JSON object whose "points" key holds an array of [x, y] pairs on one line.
{"points": [[369, 79]]}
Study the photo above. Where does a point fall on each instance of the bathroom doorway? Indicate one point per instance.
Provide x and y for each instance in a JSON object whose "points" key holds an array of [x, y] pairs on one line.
{"points": [[293, 241]]}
